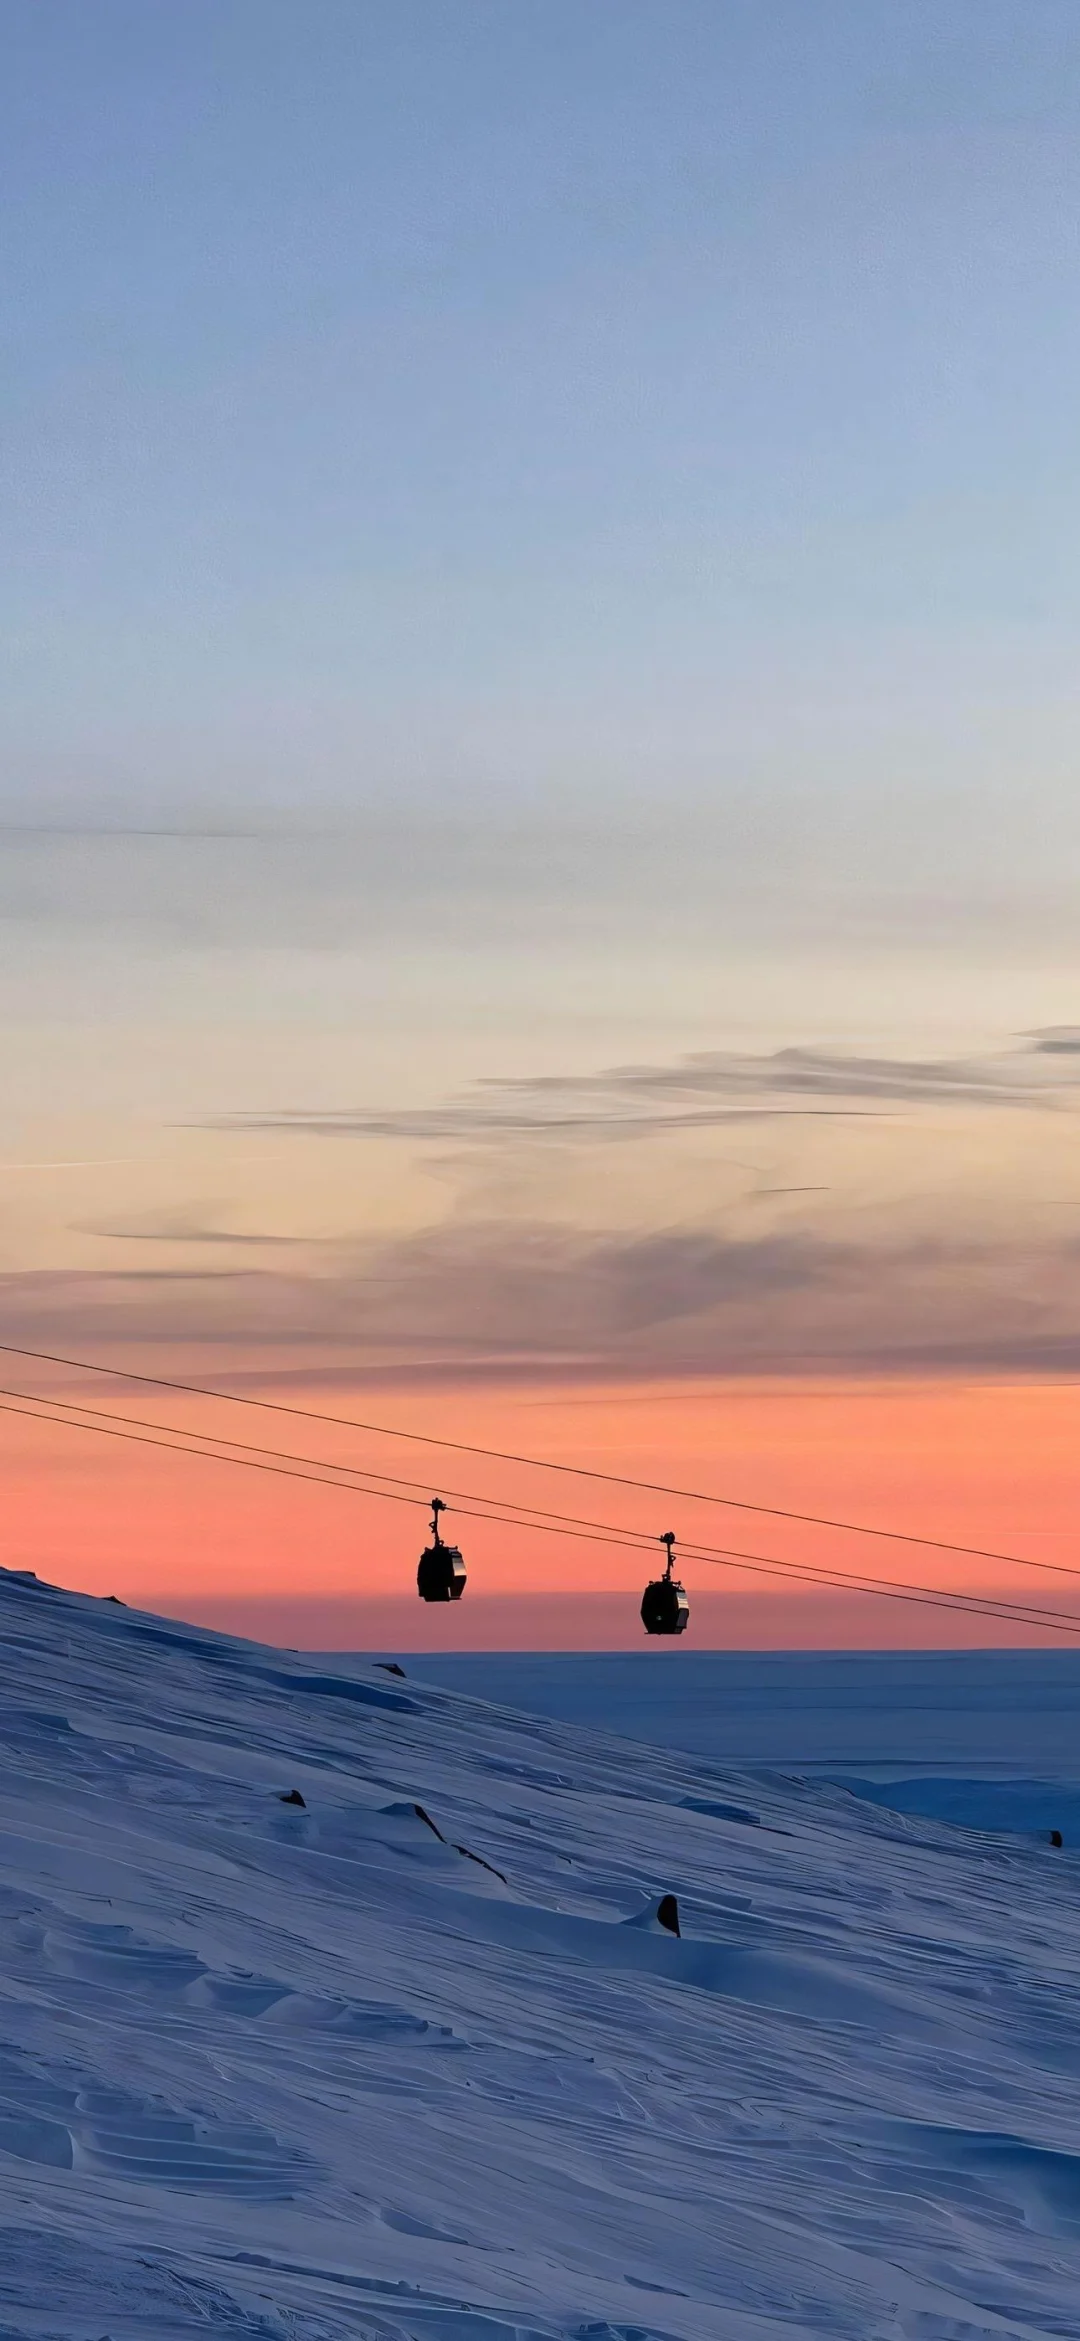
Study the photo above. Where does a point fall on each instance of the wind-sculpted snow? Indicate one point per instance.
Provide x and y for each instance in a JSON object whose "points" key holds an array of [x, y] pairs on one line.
{"points": [[412, 2057]]}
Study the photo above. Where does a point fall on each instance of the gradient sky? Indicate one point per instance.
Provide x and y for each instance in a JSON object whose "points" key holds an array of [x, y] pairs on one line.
{"points": [[540, 832]]}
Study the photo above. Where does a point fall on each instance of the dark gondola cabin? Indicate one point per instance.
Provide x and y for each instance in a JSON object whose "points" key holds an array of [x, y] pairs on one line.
{"points": [[664, 1606], [441, 1574]]}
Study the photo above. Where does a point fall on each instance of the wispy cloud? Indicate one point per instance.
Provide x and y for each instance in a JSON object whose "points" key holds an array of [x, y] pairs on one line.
{"points": [[78, 1162], [702, 1091], [1057, 1040], [183, 1229], [929, 1283], [475, 1300], [499, 866], [175, 832]]}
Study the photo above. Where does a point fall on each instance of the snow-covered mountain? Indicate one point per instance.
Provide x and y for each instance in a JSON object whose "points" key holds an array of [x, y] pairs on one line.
{"points": [[414, 2059]]}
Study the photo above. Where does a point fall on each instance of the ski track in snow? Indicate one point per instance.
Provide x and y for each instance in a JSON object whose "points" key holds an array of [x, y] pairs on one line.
{"points": [[312, 2073]]}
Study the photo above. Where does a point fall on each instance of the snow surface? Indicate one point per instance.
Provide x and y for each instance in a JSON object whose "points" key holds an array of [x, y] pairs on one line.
{"points": [[990, 1738], [809, 1707], [362, 2069]]}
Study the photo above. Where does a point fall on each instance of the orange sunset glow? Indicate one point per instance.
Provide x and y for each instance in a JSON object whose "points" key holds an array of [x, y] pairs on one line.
{"points": [[984, 1464]]}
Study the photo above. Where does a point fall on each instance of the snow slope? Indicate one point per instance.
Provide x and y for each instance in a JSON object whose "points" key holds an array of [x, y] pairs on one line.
{"points": [[315, 2072], [989, 1738], [876, 1708]]}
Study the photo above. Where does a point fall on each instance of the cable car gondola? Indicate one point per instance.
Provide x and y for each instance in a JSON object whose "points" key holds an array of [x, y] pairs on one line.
{"points": [[441, 1574], [664, 1606]]}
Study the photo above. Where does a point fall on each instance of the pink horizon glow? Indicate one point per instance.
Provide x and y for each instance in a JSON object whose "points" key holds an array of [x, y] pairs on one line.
{"points": [[990, 1465]]}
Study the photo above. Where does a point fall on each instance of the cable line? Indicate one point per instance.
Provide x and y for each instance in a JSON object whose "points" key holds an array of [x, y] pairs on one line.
{"points": [[355, 1471], [312, 1471], [653, 1487], [503, 1510], [954, 1597], [33, 1410]]}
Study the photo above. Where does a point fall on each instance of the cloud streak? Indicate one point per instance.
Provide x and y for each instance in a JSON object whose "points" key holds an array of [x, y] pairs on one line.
{"points": [[706, 1090], [474, 1301], [184, 1231]]}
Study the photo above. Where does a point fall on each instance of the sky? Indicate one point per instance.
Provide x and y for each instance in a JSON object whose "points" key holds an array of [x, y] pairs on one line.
{"points": [[538, 825]]}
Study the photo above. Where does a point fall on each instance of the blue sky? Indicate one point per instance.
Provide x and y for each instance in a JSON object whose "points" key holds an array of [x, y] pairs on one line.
{"points": [[565, 519], [527, 397]]}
